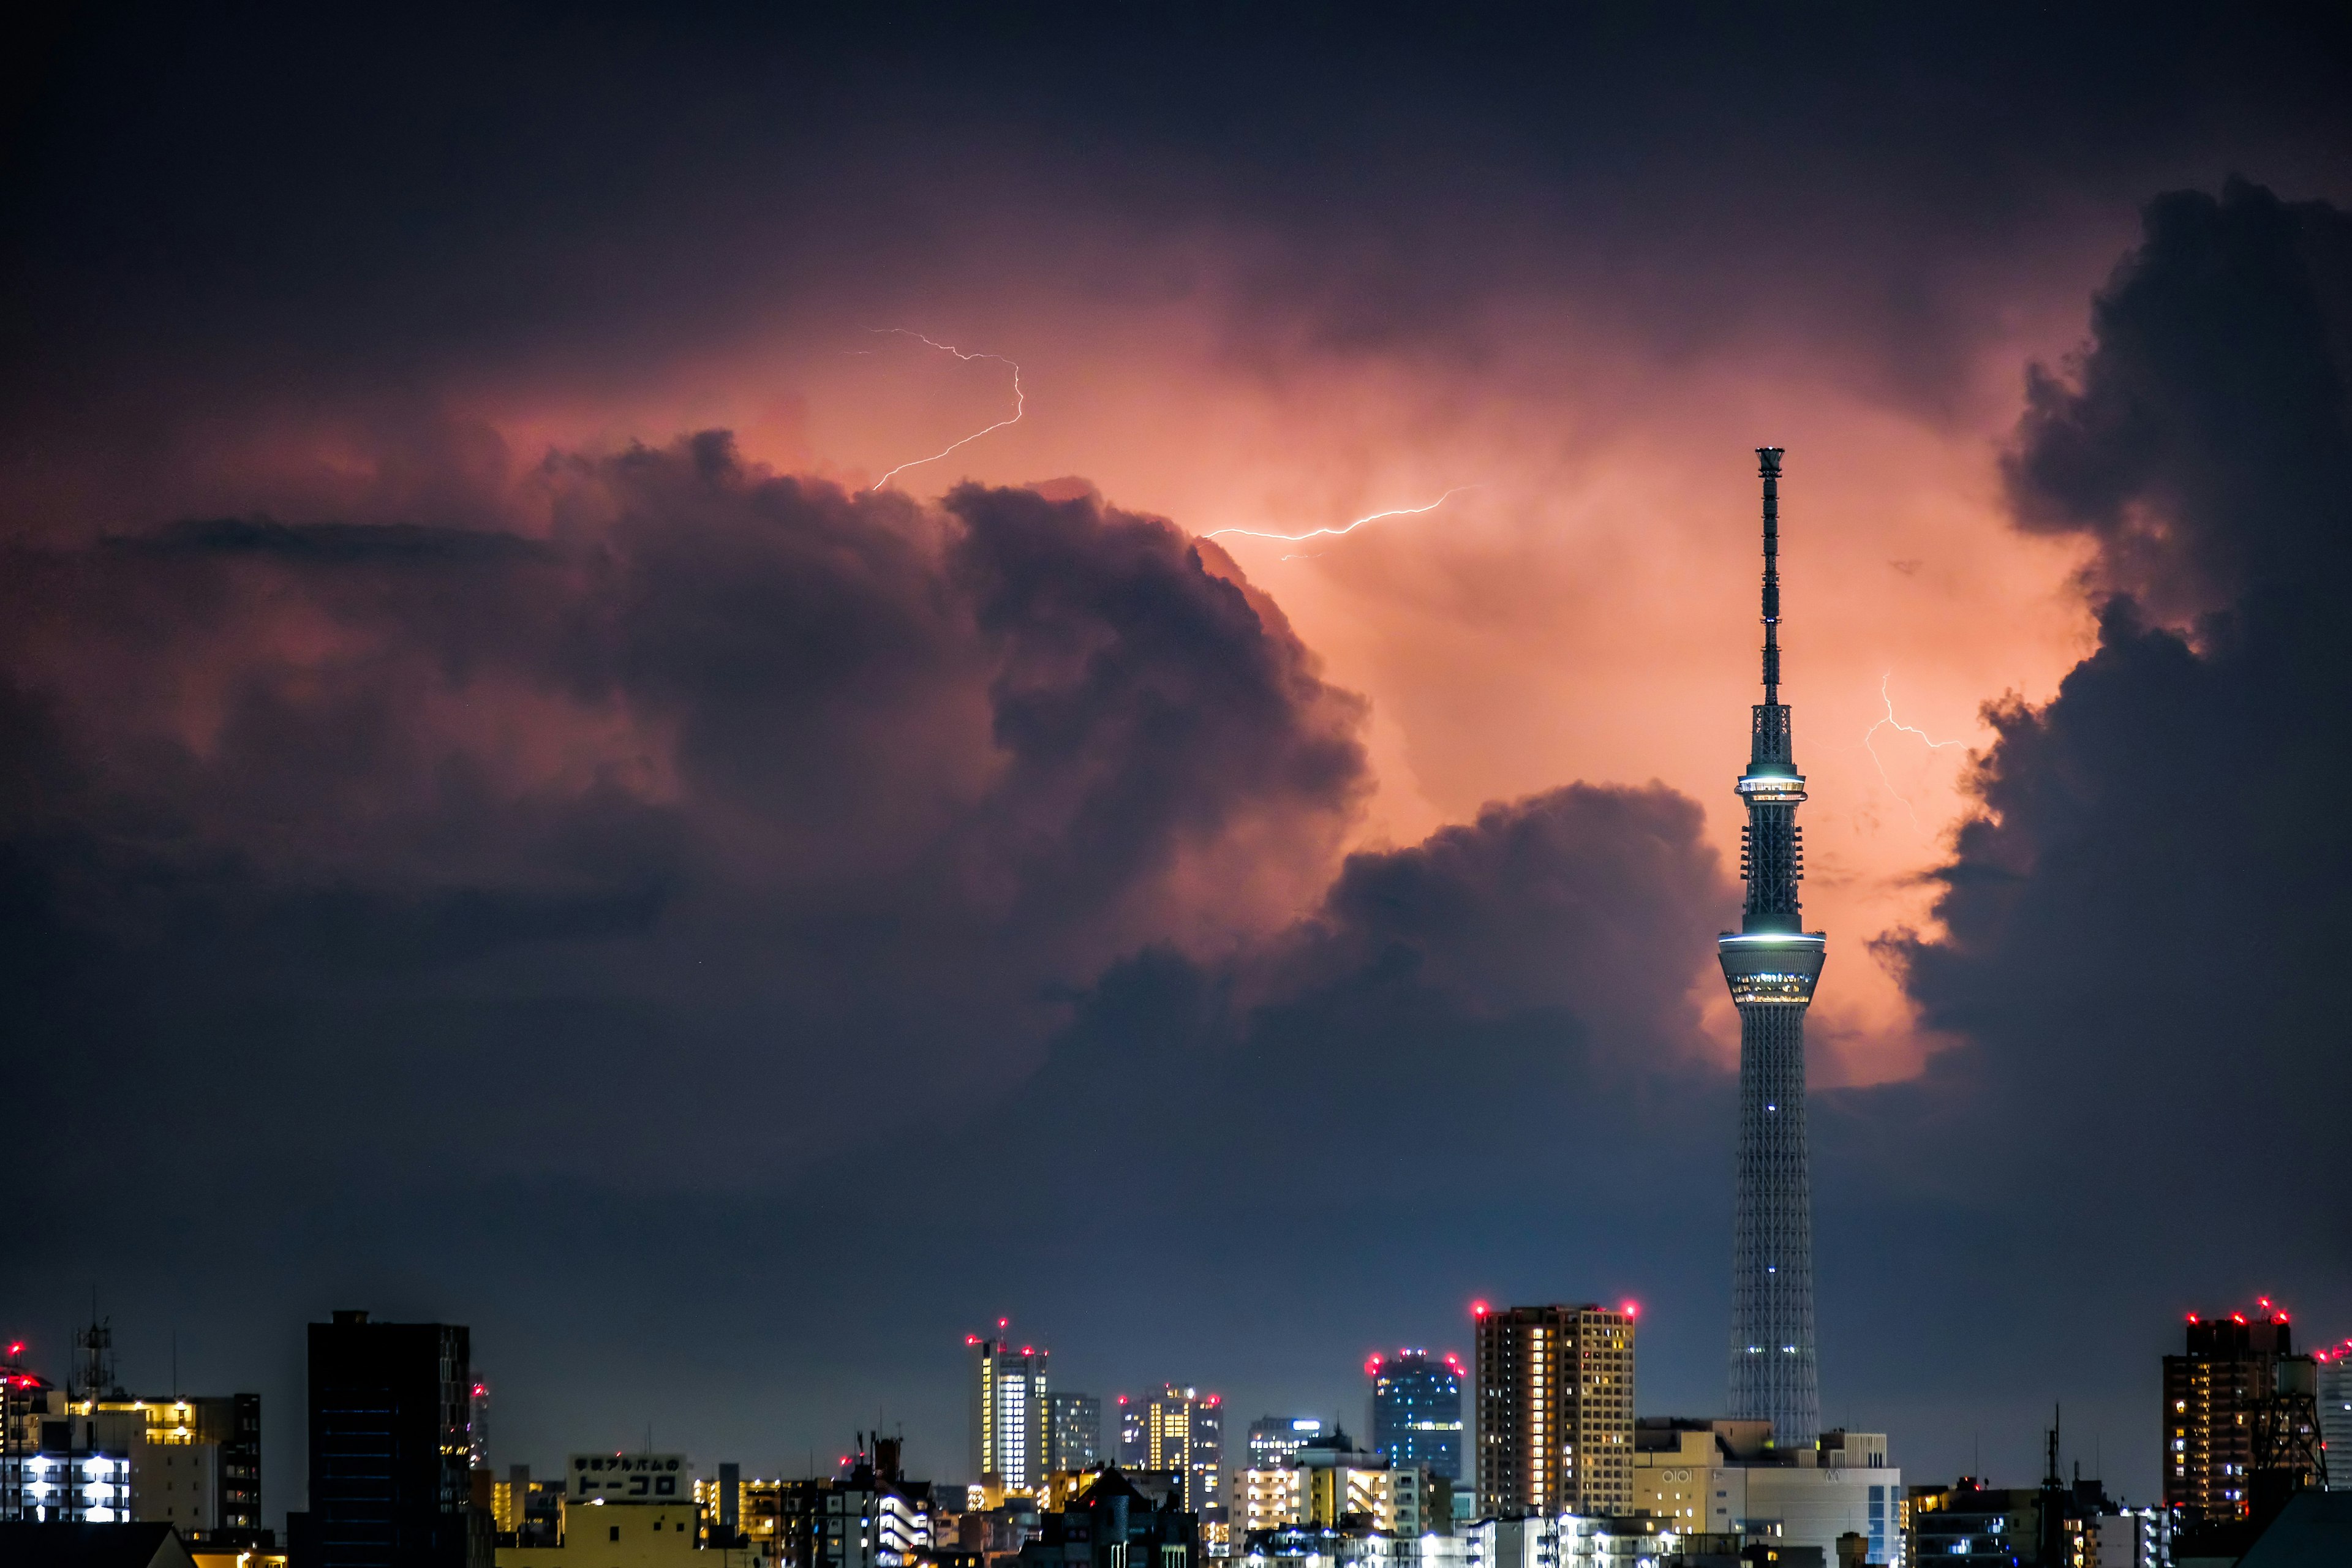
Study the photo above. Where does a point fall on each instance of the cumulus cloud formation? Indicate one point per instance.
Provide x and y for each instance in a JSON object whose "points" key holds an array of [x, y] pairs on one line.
{"points": [[2142, 925], [770, 778]]}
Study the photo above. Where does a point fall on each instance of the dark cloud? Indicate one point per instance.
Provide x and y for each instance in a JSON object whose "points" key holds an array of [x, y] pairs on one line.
{"points": [[2142, 924], [729, 752]]}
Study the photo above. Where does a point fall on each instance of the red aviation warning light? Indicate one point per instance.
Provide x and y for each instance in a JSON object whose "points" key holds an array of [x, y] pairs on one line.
{"points": [[1477, 1308], [1633, 1309], [1371, 1366]]}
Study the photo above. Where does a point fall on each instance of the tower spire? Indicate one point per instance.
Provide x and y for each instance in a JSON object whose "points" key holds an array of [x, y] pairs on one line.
{"points": [[1768, 465]]}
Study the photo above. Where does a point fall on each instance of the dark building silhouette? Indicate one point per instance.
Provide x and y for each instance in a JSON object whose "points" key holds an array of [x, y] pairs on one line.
{"points": [[389, 1449], [1417, 1411], [1113, 1523], [1771, 962]]}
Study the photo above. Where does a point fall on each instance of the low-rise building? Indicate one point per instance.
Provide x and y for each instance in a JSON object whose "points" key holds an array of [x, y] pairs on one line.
{"points": [[1725, 1477]]}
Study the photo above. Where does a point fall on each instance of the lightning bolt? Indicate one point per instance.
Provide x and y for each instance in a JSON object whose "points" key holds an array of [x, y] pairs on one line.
{"points": [[1020, 404], [1336, 532], [1890, 722]]}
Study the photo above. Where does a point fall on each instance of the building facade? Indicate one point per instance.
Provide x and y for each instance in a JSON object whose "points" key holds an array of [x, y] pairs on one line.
{"points": [[389, 1450], [1554, 1402], [1726, 1478], [1417, 1410], [1184, 1432], [1274, 1439], [1074, 1432], [2215, 1394], [1771, 965], [1012, 1434], [2335, 1413]]}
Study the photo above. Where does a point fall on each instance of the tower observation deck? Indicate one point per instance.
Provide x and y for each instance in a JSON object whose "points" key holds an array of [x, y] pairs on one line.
{"points": [[1771, 962]]}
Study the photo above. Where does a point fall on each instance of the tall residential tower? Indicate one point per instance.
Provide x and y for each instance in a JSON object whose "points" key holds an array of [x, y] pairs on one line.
{"points": [[1771, 962]]}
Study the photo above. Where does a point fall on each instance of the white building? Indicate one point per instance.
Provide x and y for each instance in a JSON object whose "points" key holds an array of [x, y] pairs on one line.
{"points": [[1721, 1478], [2335, 1413], [2135, 1538]]}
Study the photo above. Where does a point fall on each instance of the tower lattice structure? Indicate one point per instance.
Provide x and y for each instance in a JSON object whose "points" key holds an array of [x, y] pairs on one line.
{"points": [[1771, 964]]}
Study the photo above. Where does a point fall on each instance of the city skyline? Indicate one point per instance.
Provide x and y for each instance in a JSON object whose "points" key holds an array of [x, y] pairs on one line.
{"points": [[728, 693]]}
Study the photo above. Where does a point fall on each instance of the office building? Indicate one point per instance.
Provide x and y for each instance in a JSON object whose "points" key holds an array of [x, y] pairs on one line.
{"points": [[1554, 1392], [1272, 1439], [1417, 1410], [1012, 1437], [1074, 1432], [869, 1516], [1184, 1432], [389, 1452], [2335, 1413], [1134, 1434], [1771, 964], [1726, 1477], [2215, 1394]]}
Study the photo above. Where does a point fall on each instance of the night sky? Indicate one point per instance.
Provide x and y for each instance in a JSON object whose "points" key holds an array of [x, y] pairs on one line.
{"points": [[502, 821]]}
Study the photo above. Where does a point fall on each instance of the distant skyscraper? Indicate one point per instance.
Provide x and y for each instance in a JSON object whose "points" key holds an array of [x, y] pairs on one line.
{"points": [[1275, 1440], [1074, 1431], [1184, 1432], [1555, 1389], [2214, 1395], [2335, 1413], [1771, 964], [1012, 1440], [388, 1446], [1134, 1436], [1417, 1410]]}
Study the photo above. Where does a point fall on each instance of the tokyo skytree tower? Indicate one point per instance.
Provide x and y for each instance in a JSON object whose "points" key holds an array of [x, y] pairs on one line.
{"points": [[1771, 964]]}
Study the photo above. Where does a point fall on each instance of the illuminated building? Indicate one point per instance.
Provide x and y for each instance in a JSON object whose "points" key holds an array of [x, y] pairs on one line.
{"points": [[1417, 1410], [1074, 1432], [1771, 964], [2335, 1413], [2214, 1395], [1555, 1390], [1012, 1439], [1328, 1481], [1184, 1432], [1726, 1477], [1134, 1439], [1272, 1439], [389, 1450], [870, 1516], [193, 1461], [620, 1510], [1566, 1541]]}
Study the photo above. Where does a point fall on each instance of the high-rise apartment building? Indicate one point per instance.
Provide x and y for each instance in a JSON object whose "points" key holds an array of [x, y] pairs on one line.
{"points": [[1012, 1437], [1184, 1433], [388, 1447], [1554, 1392], [1771, 964], [1417, 1410], [2335, 1413], [1074, 1432], [1274, 1441], [2215, 1394]]}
